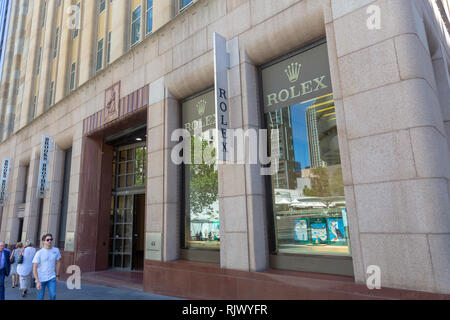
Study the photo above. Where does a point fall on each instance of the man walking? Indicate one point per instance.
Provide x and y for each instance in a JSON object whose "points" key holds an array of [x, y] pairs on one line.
{"points": [[46, 268], [5, 267]]}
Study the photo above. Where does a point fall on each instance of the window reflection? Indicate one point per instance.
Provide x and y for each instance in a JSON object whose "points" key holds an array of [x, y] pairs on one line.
{"points": [[308, 190], [201, 177]]}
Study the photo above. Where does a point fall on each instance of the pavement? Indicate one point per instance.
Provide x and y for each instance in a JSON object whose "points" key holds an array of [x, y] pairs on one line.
{"points": [[87, 292]]}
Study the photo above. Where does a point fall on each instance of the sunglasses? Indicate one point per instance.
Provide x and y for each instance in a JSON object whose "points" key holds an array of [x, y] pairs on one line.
{"points": [[48, 240]]}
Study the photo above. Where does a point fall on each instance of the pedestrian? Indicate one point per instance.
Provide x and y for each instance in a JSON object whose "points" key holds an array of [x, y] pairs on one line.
{"points": [[5, 267], [15, 255], [26, 267], [46, 268]]}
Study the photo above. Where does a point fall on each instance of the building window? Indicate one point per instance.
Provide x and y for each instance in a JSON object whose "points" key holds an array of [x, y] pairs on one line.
{"points": [[43, 13], [33, 109], [99, 55], [201, 201], [184, 4], [72, 76], [55, 49], [38, 67], [108, 53], [149, 17], [101, 6], [136, 26], [50, 94], [25, 184], [308, 201], [76, 30]]}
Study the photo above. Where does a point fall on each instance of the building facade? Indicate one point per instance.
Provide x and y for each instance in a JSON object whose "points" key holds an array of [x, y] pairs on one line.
{"points": [[353, 99]]}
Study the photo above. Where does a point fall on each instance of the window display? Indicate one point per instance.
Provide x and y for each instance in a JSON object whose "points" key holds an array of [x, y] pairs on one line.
{"points": [[201, 215], [307, 189]]}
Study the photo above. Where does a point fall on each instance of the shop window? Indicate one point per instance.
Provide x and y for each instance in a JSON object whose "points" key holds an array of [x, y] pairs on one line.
{"points": [[201, 201], [308, 210]]}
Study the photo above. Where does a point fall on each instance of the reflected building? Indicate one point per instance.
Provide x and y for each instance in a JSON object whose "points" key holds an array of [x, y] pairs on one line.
{"points": [[322, 136], [288, 169]]}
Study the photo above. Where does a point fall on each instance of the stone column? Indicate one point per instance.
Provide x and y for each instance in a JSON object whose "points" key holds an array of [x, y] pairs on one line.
{"points": [[393, 144], [52, 202], [46, 60], [87, 43], [65, 50], [74, 190], [120, 29], [243, 243], [163, 177], [16, 189], [32, 201]]}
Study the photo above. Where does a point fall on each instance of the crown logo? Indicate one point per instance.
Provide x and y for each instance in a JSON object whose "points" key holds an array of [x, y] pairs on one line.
{"points": [[293, 71], [201, 107]]}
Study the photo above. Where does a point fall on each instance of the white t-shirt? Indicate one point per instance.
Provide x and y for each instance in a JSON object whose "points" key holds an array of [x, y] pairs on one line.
{"points": [[46, 258], [25, 268]]}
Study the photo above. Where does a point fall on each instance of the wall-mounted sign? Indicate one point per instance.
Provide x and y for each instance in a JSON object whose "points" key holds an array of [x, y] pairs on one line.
{"points": [[221, 66], [112, 98], [46, 148], [6, 165], [298, 79]]}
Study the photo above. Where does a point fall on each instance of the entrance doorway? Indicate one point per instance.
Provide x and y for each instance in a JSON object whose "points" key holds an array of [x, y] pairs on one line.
{"points": [[127, 217]]}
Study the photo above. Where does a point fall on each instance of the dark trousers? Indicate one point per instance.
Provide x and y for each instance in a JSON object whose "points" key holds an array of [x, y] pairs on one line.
{"points": [[2, 284]]}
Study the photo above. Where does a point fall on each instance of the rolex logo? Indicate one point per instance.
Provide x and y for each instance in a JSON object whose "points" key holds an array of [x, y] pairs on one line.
{"points": [[201, 107], [293, 71]]}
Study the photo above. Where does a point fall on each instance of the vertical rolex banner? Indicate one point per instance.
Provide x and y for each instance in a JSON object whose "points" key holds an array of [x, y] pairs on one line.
{"points": [[6, 164], [46, 148]]}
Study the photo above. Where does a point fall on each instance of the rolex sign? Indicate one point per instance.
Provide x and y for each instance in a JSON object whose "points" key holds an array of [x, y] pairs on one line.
{"points": [[301, 78]]}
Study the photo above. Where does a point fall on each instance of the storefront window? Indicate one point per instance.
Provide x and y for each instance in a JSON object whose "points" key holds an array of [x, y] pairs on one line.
{"points": [[201, 216], [309, 208]]}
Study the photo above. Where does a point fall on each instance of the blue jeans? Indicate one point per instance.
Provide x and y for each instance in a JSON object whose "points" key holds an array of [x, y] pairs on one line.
{"points": [[2, 284], [51, 285]]}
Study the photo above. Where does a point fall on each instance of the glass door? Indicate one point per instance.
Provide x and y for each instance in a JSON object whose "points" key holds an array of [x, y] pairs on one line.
{"points": [[121, 232], [129, 180]]}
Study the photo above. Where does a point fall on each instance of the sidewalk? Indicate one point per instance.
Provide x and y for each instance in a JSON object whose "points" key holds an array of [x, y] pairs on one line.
{"points": [[87, 292]]}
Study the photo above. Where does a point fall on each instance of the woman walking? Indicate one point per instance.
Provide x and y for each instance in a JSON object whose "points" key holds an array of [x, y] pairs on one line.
{"points": [[17, 252], [26, 267]]}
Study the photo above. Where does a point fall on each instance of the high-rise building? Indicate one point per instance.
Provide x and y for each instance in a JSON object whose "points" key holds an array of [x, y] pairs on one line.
{"points": [[107, 84]]}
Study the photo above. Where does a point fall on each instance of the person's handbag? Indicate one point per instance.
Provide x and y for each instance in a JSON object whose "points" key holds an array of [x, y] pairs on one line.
{"points": [[20, 260], [12, 259]]}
